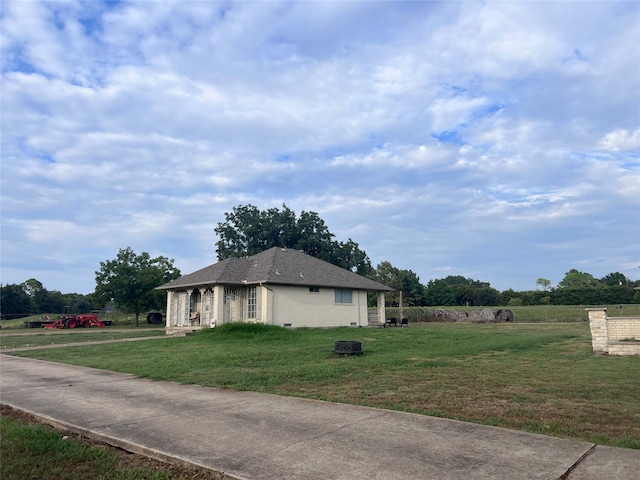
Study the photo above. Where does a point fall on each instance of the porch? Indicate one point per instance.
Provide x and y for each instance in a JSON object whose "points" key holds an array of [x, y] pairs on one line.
{"points": [[197, 308]]}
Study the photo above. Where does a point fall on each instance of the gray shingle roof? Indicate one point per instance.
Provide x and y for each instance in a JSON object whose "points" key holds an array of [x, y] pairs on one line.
{"points": [[276, 266]]}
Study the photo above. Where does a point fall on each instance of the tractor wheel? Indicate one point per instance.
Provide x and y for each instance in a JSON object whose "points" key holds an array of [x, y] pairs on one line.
{"points": [[71, 323]]}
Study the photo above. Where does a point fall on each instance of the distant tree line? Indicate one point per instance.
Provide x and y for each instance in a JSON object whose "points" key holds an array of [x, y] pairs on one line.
{"points": [[576, 288], [31, 298]]}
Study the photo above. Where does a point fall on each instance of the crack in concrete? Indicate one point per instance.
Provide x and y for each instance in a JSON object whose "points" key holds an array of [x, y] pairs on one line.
{"points": [[330, 432], [565, 475], [72, 384]]}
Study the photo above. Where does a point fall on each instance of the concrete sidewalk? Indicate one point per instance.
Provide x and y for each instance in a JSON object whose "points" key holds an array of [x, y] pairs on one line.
{"points": [[267, 437]]}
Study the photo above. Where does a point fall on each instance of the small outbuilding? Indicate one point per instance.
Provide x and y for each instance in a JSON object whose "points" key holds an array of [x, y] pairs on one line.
{"points": [[279, 286]]}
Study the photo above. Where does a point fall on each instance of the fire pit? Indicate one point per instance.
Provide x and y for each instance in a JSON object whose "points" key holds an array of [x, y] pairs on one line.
{"points": [[348, 347]]}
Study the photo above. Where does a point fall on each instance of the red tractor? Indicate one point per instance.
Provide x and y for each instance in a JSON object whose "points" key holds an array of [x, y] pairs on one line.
{"points": [[76, 321]]}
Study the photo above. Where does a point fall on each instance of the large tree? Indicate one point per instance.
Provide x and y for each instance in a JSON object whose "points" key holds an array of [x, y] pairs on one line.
{"points": [[404, 281], [544, 283], [129, 280], [458, 290], [577, 279], [439, 293], [32, 287], [248, 230]]}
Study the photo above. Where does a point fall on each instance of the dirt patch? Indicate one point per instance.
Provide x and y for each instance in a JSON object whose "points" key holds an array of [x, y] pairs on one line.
{"points": [[127, 459]]}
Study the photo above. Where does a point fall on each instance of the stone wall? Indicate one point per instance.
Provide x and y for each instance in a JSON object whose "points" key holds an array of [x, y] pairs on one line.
{"points": [[614, 336]]}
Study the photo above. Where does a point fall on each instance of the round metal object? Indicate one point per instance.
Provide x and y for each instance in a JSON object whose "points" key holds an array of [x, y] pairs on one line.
{"points": [[348, 347]]}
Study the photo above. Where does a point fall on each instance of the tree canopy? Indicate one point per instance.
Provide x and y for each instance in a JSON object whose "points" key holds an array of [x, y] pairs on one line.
{"points": [[544, 283], [248, 230], [576, 279], [405, 281], [32, 287], [615, 279], [129, 280], [14, 302]]}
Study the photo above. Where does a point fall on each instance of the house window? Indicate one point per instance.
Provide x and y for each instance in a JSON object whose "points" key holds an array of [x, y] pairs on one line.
{"points": [[343, 295], [251, 302], [230, 295], [314, 289]]}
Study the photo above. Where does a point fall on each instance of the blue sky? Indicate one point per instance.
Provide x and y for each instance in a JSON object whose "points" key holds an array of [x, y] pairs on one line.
{"points": [[495, 140]]}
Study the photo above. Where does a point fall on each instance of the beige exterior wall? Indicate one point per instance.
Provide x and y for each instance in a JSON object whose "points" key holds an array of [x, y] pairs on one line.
{"points": [[298, 307]]}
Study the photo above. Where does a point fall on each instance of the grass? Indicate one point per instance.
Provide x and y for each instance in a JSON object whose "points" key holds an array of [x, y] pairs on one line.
{"points": [[30, 450], [541, 378], [42, 336]]}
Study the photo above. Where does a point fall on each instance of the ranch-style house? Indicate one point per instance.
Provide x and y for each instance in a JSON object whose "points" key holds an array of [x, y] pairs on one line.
{"points": [[279, 286]]}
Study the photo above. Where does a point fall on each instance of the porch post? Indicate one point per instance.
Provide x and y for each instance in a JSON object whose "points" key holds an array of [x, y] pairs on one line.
{"points": [[187, 309], [218, 306], [201, 310], [167, 317], [382, 317]]}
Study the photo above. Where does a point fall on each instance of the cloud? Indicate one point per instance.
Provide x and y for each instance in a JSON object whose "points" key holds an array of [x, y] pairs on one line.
{"points": [[469, 138], [621, 139]]}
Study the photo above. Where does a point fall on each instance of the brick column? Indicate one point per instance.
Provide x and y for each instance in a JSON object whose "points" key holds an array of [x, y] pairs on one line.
{"points": [[598, 326]]}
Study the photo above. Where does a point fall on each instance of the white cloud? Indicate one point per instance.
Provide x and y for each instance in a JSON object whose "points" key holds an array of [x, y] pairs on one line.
{"points": [[621, 139], [441, 136], [450, 113]]}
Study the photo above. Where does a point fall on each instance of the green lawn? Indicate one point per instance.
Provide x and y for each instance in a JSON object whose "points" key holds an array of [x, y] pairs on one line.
{"points": [[42, 336], [31, 451], [540, 378]]}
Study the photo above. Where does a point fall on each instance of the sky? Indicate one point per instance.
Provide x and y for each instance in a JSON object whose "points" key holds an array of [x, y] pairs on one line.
{"points": [[499, 141]]}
